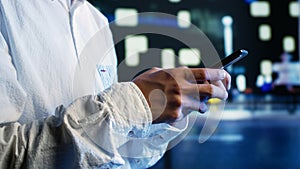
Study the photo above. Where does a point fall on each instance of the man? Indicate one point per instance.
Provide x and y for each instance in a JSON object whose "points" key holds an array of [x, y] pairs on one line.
{"points": [[49, 121]]}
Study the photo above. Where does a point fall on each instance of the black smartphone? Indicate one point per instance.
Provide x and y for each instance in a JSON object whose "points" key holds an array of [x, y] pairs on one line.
{"points": [[230, 59]]}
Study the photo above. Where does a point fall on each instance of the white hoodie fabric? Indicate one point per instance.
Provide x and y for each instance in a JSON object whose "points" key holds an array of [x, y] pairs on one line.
{"points": [[61, 105]]}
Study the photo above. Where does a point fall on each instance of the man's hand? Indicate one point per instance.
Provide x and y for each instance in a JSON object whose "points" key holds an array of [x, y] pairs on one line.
{"points": [[173, 93]]}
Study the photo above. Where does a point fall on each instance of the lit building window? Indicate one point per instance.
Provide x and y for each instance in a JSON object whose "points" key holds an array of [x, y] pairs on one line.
{"points": [[266, 67], [289, 44], [174, 1], [184, 19], [228, 34], [260, 9], [167, 58], [294, 9], [264, 79], [134, 45], [126, 17], [260, 81], [241, 83], [265, 32], [189, 57], [268, 79]]}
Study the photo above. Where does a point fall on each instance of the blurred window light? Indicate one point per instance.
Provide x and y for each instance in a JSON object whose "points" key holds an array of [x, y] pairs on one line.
{"points": [[184, 19], [265, 32], [134, 45], [241, 83], [227, 23], [260, 9], [167, 58], [174, 1], [260, 80], [268, 79], [289, 44], [294, 9], [189, 57], [227, 20], [126, 17], [239, 114], [266, 67], [227, 137]]}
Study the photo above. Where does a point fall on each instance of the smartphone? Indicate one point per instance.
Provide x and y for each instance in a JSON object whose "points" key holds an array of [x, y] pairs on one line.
{"points": [[230, 59]]}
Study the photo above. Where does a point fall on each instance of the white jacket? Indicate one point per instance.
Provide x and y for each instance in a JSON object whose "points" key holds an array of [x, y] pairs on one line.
{"points": [[52, 114]]}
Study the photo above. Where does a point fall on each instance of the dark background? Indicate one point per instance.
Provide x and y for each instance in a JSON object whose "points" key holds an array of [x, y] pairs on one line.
{"points": [[206, 15]]}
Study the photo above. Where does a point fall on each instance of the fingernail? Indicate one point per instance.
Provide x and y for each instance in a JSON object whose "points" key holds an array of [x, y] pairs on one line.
{"points": [[228, 86]]}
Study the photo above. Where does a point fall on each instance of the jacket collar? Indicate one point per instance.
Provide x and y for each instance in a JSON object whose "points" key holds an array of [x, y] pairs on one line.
{"points": [[69, 4]]}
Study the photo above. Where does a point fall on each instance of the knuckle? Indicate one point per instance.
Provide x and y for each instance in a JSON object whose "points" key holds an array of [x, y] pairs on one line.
{"points": [[175, 102], [203, 73], [169, 78], [210, 90], [174, 89], [165, 74]]}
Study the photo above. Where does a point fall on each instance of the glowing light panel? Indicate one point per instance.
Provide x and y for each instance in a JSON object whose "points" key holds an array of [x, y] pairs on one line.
{"points": [[167, 58], [289, 44], [260, 80], [260, 9], [294, 9], [134, 45], [189, 57], [266, 67], [126, 17], [227, 23], [184, 19], [174, 1], [241, 83], [265, 32]]}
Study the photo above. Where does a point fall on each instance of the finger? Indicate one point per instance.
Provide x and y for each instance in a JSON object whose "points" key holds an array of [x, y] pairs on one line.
{"points": [[216, 90], [203, 90], [220, 83], [227, 81], [192, 104], [203, 74]]}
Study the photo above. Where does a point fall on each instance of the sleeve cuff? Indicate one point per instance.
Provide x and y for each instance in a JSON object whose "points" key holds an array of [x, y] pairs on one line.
{"points": [[119, 123]]}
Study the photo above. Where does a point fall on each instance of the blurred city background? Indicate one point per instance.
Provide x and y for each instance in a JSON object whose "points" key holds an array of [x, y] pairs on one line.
{"points": [[260, 126]]}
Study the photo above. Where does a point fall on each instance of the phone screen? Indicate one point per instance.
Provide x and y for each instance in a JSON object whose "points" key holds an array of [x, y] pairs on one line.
{"points": [[230, 59]]}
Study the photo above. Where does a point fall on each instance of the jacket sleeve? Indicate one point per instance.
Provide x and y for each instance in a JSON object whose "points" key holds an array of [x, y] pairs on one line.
{"points": [[107, 130], [13, 96], [111, 129]]}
